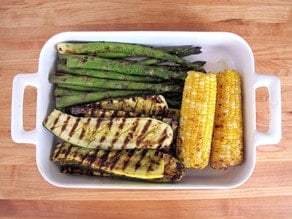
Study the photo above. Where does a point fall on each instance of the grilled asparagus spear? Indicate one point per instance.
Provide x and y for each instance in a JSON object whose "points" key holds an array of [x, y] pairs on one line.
{"points": [[91, 62], [116, 47], [181, 51], [151, 165], [104, 74], [114, 133], [149, 61], [112, 84], [79, 88]]}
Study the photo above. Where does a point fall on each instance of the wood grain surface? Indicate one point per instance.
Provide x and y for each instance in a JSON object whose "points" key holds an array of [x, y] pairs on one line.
{"points": [[26, 25]]}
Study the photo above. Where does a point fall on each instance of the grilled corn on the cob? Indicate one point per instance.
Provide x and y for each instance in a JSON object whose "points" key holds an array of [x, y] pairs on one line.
{"points": [[196, 121], [227, 144]]}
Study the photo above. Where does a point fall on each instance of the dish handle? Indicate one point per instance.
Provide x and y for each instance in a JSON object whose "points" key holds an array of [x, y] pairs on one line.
{"points": [[20, 82], [273, 135]]}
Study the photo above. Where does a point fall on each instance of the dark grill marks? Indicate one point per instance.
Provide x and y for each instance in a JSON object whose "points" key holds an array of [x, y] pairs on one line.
{"points": [[153, 162], [94, 112], [115, 139], [130, 134], [84, 158], [121, 125], [102, 139], [90, 157], [68, 151], [75, 170], [114, 113], [130, 154], [127, 114], [56, 151], [56, 121], [110, 101], [100, 162], [163, 137], [93, 108], [71, 133], [89, 112], [103, 158], [144, 129], [100, 113], [115, 159], [109, 125], [142, 155], [135, 100], [98, 122], [84, 129], [65, 124]]}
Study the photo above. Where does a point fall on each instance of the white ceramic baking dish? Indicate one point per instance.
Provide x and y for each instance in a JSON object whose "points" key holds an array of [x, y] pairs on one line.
{"points": [[220, 49]]}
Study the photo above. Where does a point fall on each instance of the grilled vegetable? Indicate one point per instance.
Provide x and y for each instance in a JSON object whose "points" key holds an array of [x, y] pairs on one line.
{"points": [[196, 121], [132, 163], [88, 111], [113, 84], [149, 105], [104, 74], [114, 133], [92, 62], [59, 92], [77, 170], [83, 111], [116, 47], [149, 61], [112, 55], [181, 51], [79, 88], [173, 113], [227, 143], [86, 97], [144, 164]]}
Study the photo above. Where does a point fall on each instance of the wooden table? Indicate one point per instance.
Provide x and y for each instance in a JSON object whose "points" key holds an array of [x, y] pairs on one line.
{"points": [[26, 25]]}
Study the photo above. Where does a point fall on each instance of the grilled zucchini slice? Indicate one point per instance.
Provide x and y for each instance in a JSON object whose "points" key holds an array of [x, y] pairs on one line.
{"points": [[150, 165], [113, 133], [154, 105]]}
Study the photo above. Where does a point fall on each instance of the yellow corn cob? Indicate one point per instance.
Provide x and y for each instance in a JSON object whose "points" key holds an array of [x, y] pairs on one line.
{"points": [[196, 121], [227, 144]]}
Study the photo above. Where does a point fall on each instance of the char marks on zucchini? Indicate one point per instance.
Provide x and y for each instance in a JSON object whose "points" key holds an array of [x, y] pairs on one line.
{"points": [[110, 133], [143, 164]]}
